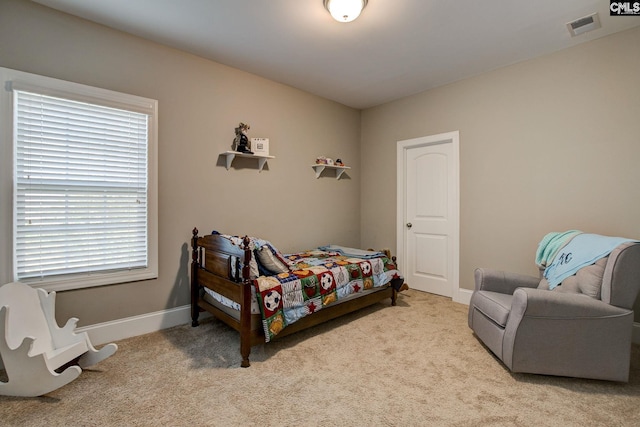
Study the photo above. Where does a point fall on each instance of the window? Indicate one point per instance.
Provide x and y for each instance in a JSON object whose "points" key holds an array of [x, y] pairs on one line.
{"points": [[84, 197]]}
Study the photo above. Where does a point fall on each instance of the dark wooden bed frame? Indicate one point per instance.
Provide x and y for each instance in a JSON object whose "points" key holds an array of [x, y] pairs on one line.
{"points": [[224, 268]]}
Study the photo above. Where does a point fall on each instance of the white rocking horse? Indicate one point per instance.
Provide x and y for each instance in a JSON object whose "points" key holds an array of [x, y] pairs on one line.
{"points": [[33, 346]]}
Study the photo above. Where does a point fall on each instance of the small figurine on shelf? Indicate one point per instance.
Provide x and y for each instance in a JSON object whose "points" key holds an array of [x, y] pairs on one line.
{"points": [[339, 162], [241, 140]]}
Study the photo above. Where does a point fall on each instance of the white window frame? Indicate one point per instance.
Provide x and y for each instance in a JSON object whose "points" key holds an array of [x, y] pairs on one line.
{"points": [[12, 79]]}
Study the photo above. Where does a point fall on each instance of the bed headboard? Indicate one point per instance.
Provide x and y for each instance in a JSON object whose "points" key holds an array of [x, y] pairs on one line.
{"points": [[221, 257]]}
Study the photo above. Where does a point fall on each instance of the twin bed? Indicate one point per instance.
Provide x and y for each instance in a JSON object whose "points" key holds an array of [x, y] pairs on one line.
{"points": [[264, 295]]}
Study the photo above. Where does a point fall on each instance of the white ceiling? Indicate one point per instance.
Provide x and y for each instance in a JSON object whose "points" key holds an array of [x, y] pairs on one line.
{"points": [[394, 49]]}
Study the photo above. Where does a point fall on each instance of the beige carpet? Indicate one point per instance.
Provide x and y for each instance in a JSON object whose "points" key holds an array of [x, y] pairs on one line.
{"points": [[416, 364]]}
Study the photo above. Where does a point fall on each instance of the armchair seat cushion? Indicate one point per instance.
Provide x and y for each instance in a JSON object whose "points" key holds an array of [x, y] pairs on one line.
{"points": [[494, 305]]}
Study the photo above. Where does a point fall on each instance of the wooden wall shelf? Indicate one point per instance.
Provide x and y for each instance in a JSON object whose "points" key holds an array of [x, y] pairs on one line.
{"points": [[320, 167]]}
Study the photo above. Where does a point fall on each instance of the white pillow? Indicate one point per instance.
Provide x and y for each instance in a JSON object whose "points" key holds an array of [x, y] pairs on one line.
{"points": [[267, 256]]}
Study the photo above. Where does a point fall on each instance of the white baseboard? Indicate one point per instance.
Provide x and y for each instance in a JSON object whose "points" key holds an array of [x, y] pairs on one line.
{"points": [[115, 330], [462, 296], [102, 333], [120, 329]]}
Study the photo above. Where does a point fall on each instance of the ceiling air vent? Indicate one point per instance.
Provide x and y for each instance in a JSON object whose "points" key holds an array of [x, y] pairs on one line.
{"points": [[582, 25]]}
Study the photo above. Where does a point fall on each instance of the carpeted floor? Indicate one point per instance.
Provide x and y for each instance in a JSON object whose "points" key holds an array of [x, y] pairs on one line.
{"points": [[416, 364]]}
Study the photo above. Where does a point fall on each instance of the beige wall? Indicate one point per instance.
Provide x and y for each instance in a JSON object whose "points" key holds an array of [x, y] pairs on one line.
{"points": [[545, 145], [200, 103]]}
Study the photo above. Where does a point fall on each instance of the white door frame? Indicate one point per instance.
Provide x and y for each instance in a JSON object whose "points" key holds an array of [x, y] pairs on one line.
{"points": [[454, 193]]}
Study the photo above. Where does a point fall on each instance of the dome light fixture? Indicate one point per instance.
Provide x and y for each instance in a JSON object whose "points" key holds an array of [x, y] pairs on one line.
{"points": [[345, 10]]}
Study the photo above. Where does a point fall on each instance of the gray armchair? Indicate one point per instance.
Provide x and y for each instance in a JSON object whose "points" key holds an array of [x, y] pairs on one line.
{"points": [[575, 330]]}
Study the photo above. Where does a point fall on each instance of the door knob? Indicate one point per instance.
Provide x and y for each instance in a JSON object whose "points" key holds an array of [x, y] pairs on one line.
{"points": [[409, 225]]}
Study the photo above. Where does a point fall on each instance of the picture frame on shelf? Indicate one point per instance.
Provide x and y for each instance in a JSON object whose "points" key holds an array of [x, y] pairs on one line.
{"points": [[260, 146]]}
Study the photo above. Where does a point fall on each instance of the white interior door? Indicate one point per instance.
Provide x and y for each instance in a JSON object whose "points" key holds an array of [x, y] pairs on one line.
{"points": [[428, 217]]}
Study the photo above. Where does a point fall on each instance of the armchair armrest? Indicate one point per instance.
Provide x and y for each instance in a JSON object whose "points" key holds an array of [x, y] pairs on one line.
{"points": [[502, 281], [541, 303]]}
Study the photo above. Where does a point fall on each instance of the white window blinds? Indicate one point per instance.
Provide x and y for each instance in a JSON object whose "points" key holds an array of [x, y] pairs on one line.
{"points": [[81, 181]]}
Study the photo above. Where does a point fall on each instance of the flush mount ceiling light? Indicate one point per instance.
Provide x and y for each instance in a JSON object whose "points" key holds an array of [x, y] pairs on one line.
{"points": [[345, 10]]}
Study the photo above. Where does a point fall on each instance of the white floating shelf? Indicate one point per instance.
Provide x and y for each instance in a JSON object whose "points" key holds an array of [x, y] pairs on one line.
{"points": [[230, 155], [320, 167]]}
